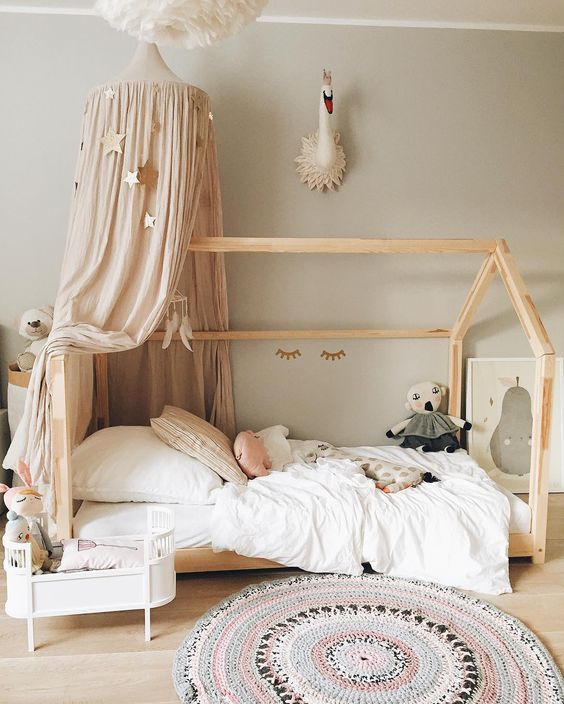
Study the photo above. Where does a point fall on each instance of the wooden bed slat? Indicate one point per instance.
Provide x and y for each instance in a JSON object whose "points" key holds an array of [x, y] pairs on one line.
{"points": [[522, 302], [62, 473], [308, 334], [540, 452], [474, 298], [520, 545], [459, 329], [206, 560], [102, 391], [340, 245], [455, 377], [189, 560]]}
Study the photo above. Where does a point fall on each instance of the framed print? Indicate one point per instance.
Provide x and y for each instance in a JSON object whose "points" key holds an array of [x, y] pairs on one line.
{"points": [[499, 403]]}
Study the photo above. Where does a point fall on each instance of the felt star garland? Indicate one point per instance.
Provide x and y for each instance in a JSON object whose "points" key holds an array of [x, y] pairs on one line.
{"points": [[148, 175], [145, 175], [132, 178], [111, 141]]}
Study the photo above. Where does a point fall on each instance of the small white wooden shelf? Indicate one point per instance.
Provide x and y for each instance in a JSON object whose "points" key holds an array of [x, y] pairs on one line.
{"points": [[153, 584]]}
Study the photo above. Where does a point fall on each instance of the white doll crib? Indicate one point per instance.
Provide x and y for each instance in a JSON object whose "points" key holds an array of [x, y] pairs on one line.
{"points": [[153, 584]]}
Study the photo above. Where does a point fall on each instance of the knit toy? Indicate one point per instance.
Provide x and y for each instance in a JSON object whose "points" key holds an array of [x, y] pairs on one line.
{"points": [[251, 454], [17, 531], [35, 325], [428, 429], [390, 477], [27, 502]]}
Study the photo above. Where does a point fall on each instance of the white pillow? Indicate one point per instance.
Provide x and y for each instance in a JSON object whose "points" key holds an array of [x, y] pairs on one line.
{"points": [[130, 463], [277, 446]]}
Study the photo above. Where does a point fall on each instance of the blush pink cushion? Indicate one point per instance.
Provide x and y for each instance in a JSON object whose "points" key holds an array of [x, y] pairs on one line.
{"points": [[250, 452]]}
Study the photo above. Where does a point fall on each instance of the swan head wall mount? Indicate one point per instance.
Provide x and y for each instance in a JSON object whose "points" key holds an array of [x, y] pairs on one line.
{"points": [[321, 162]]}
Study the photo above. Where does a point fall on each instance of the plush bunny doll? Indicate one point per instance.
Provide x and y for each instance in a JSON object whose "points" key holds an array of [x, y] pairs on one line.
{"points": [[35, 325], [27, 502], [251, 454], [428, 429], [17, 531]]}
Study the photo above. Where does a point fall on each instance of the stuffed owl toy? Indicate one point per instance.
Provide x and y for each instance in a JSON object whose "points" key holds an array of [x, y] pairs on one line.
{"points": [[428, 430]]}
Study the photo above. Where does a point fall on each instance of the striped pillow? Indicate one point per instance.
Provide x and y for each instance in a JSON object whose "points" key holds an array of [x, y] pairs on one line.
{"points": [[196, 437]]}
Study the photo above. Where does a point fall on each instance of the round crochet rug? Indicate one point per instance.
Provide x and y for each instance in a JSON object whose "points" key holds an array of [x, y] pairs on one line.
{"points": [[316, 639]]}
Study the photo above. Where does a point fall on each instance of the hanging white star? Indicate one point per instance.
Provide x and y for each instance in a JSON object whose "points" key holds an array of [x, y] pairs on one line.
{"points": [[132, 178], [210, 115], [149, 221], [110, 93], [111, 141]]}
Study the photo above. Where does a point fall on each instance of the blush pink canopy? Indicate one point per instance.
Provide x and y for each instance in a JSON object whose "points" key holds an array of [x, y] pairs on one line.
{"points": [[120, 269]]}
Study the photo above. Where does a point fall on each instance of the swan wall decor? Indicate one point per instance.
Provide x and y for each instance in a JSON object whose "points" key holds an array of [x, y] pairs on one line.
{"points": [[322, 161]]}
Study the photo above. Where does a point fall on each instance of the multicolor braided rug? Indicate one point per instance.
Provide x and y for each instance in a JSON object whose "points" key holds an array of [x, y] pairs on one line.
{"points": [[320, 639]]}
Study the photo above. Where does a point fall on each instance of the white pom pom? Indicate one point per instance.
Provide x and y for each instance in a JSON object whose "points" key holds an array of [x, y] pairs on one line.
{"points": [[186, 23]]}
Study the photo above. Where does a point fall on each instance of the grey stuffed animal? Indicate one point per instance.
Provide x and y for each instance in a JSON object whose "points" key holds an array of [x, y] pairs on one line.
{"points": [[428, 429]]}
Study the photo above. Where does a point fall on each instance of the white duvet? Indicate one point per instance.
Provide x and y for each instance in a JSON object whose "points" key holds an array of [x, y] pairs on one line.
{"points": [[327, 516]]}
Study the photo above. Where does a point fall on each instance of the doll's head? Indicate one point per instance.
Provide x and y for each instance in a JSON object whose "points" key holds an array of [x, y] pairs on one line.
{"points": [[425, 397], [251, 454], [24, 500]]}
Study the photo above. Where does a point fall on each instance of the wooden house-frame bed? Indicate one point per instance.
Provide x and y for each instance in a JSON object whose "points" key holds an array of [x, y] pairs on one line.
{"points": [[497, 259]]}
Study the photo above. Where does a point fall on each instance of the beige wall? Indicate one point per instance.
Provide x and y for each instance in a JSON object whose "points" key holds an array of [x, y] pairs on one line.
{"points": [[447, 133]]}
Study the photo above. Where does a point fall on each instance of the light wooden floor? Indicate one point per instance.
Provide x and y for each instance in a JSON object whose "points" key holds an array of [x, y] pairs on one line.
{"points": [[103, 658]]}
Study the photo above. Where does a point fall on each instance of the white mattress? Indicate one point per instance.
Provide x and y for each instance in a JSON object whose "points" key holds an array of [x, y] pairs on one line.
{"points": [[98, 520], [193, 523], [520, 516]]}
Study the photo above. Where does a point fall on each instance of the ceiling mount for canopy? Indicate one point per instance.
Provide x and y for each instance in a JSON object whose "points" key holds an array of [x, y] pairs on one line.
{"points": [[147, 64]]}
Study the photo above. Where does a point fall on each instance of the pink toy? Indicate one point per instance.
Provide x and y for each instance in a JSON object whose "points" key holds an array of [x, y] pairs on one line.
{"points": [[251, 454], [25, 500]]}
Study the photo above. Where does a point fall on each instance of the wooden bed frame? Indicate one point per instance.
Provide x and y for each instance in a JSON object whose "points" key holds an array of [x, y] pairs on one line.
{"points": [[497, 259]]}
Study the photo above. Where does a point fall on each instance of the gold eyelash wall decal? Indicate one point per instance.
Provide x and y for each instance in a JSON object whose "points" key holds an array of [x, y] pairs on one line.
{"points": [[332, 356], [288, 355]]}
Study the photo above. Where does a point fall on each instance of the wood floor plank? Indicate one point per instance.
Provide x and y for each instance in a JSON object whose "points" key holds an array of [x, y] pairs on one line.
{"points": [[103, 657], [132, 677]]}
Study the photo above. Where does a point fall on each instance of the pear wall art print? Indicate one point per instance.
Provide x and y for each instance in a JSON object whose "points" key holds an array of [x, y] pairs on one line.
{"points": [[499, 403]]}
